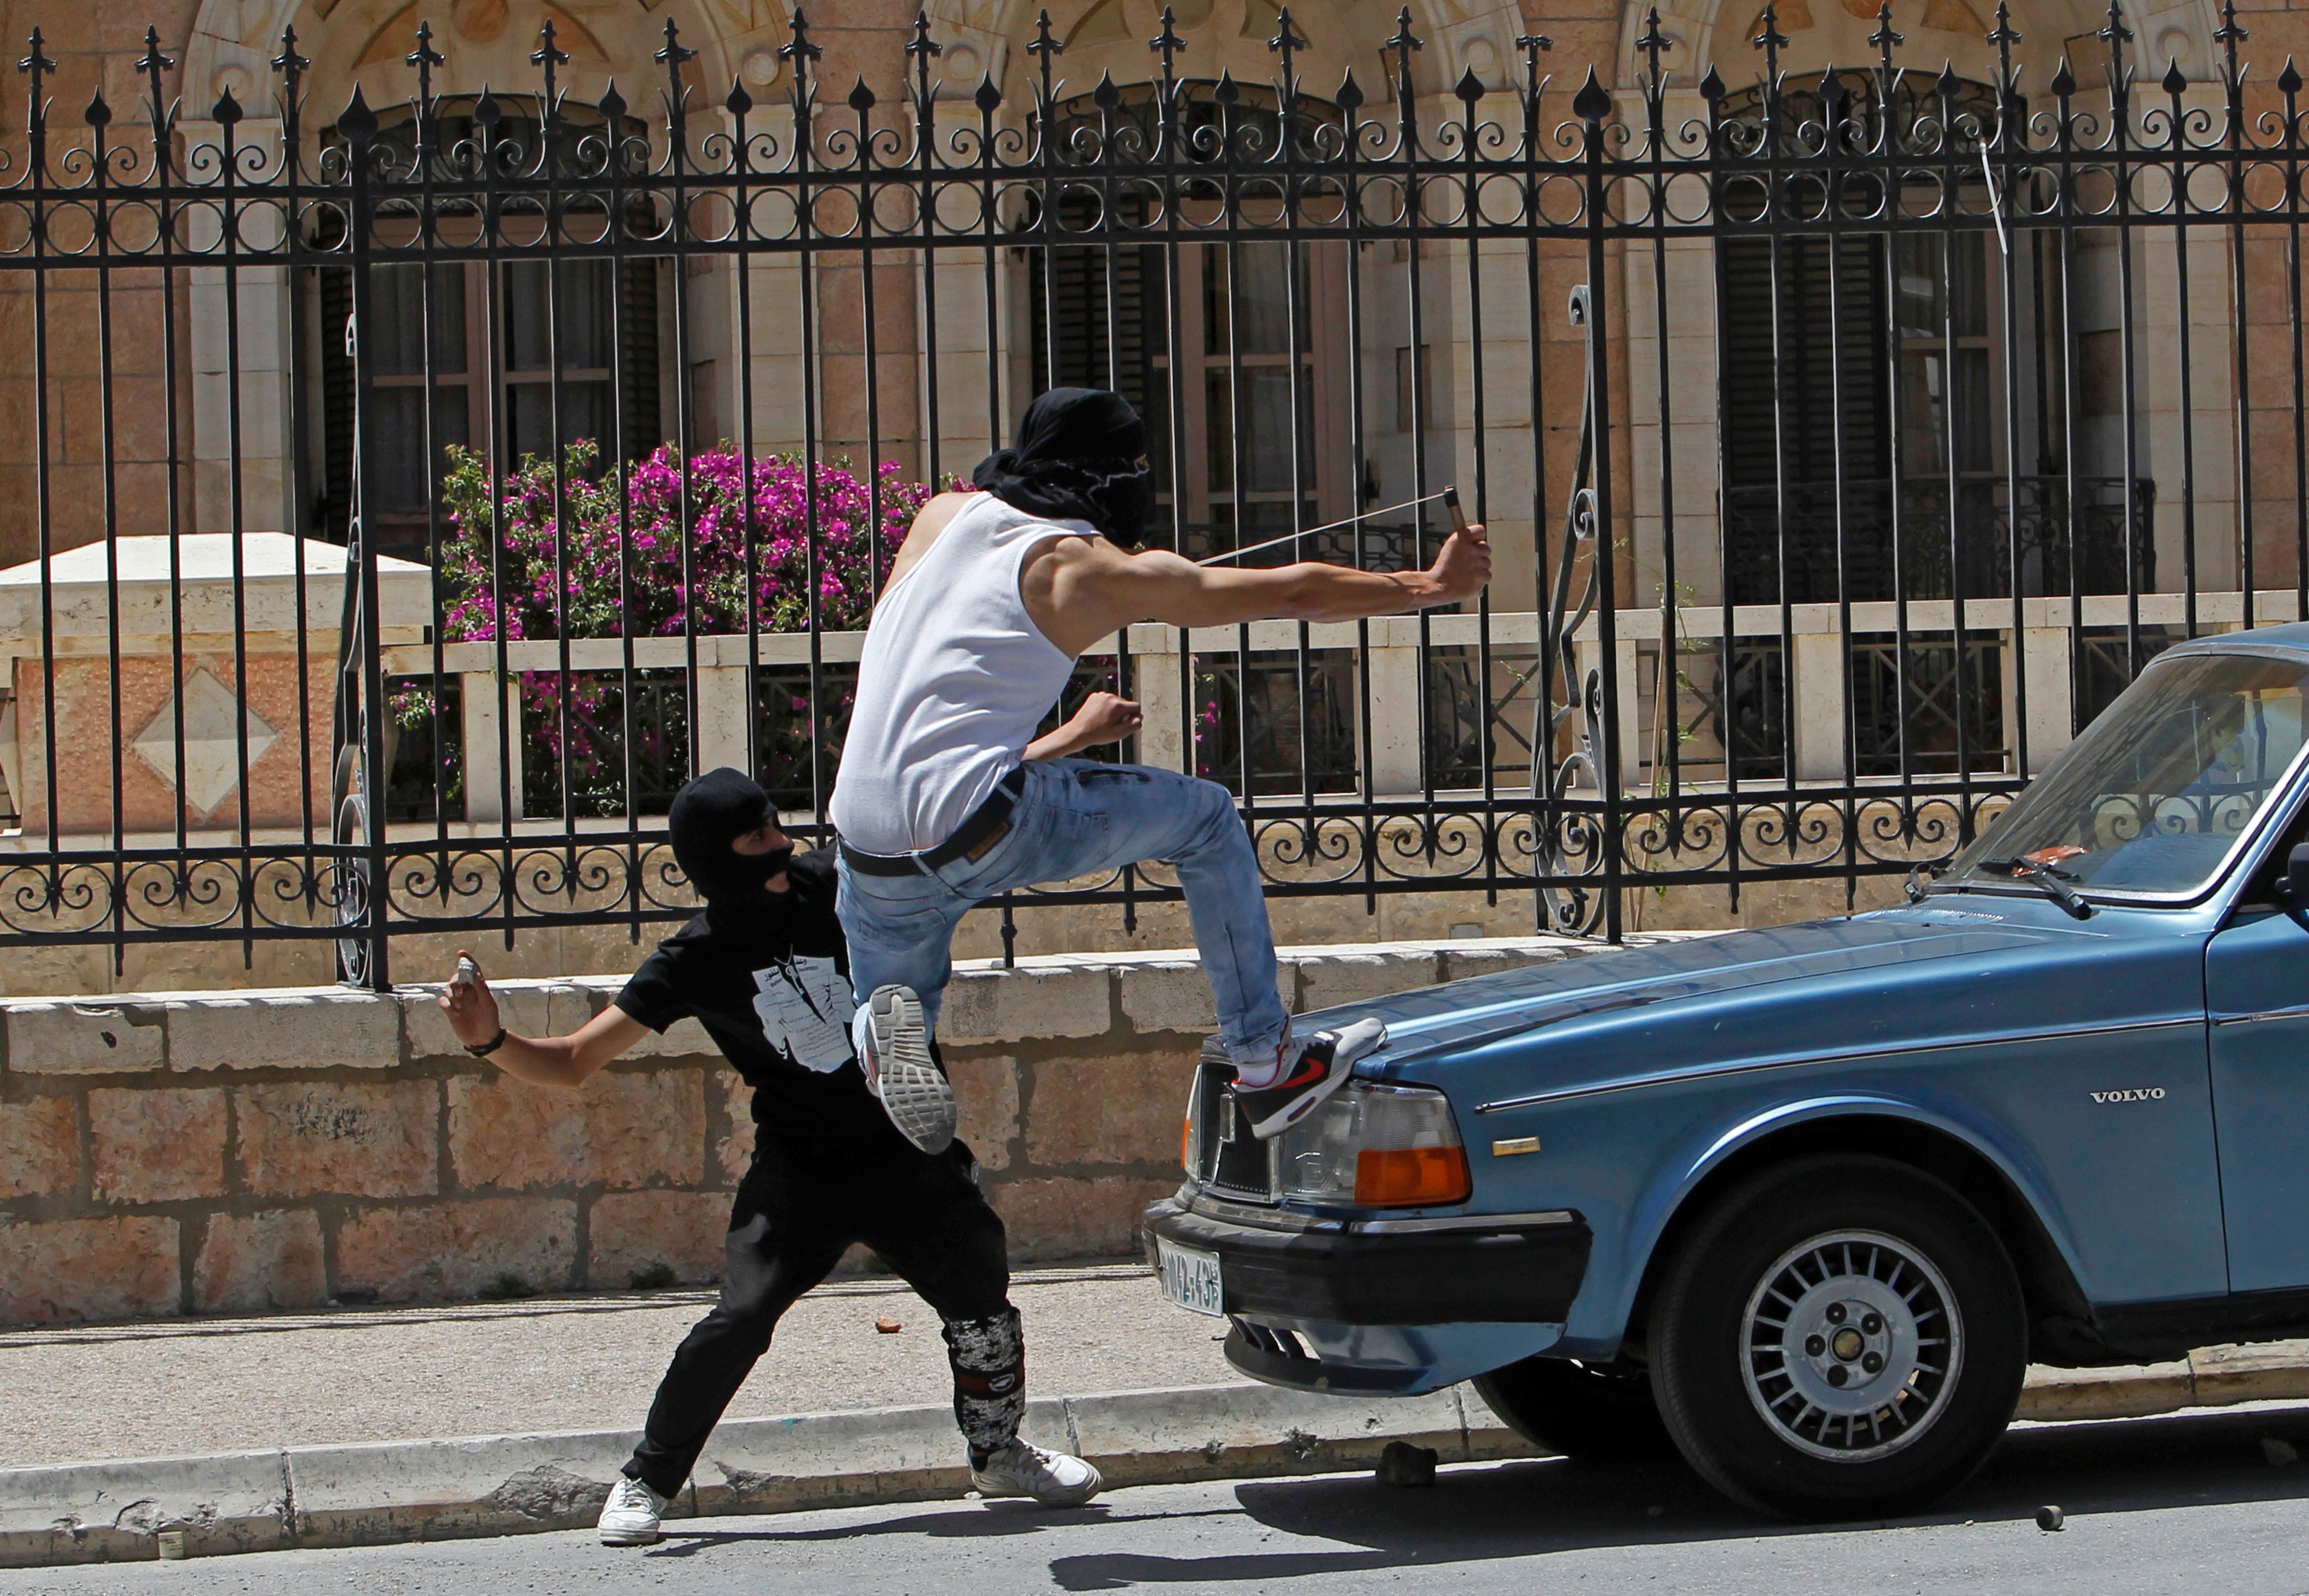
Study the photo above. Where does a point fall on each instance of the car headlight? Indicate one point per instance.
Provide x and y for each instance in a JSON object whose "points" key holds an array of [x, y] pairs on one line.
{"points": [[1376, 1147]]}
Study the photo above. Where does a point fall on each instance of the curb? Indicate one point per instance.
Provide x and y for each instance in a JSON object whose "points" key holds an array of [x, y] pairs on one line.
{"points": [[393, 1491]]}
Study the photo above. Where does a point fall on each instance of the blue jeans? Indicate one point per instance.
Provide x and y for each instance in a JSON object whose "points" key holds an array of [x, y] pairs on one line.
{"points": [[1080, 818]]}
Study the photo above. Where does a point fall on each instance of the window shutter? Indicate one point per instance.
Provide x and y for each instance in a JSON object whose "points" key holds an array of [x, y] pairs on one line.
{"points": [[1074, 280], [637, 335], [332, 519], [1798, 375]]}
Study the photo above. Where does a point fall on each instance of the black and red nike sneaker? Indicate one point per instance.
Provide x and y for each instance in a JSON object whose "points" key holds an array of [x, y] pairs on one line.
{"points": [[1323, 1063]]}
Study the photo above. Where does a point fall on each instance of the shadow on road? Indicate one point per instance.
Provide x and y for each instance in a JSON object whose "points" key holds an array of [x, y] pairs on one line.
{"points": [[1522, 1510]]}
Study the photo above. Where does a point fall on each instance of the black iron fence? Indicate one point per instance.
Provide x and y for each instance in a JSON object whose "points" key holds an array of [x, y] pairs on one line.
{"points": [[414, 494]]}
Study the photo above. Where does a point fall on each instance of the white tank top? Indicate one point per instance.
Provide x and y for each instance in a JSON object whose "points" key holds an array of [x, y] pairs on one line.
{"points": [[955, 678]]}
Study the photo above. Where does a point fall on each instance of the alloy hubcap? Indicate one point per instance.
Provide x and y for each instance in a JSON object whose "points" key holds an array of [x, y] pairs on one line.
{"points": [[1850, 1344]]}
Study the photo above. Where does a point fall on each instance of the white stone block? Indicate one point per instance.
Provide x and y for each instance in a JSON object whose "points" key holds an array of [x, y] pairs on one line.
{"points": [[1327, 978], [80, 1039], [1494, 955], [1168, 995], [1052, 997], [308, 1028]]}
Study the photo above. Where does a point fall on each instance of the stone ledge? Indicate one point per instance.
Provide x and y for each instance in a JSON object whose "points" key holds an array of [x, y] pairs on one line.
{"points": [[1046, 996]]}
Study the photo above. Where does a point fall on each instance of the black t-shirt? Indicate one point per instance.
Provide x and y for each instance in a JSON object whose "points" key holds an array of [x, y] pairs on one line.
{"points": [[771, 988]]}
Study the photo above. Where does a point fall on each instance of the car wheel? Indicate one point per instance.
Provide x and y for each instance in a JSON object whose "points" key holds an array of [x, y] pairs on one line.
{"points": [[1590, 1414], [1838, 1337]]}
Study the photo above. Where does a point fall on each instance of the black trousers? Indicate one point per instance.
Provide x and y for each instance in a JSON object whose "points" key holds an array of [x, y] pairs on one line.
{"points": [[796, 1212]]}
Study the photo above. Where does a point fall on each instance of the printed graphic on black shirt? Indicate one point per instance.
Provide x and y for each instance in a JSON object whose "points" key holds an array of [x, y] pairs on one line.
{"points": [[806, 1007], [769, 988]]}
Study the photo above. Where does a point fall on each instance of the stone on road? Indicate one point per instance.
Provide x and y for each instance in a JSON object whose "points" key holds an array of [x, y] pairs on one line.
{"points": [[2178, 1504]]}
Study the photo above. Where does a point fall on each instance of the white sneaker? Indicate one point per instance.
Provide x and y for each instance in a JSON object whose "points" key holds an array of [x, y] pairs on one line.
{"points": [[1308, 1069], [1023, 1469], [631, 1516], [895, 1052]]}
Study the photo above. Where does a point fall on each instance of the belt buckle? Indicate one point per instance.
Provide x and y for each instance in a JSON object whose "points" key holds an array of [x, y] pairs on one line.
{"points": [[975, 854]]}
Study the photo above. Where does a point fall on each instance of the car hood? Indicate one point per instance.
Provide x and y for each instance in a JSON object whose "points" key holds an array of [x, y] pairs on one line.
{"points": [[1915, 975]]}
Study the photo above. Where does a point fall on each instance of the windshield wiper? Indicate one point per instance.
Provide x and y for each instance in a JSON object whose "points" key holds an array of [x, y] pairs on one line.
{"points": [[2055, 883]]}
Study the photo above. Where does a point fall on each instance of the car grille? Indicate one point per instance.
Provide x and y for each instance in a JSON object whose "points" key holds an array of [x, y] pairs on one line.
{"points": [[1231, 1162]]}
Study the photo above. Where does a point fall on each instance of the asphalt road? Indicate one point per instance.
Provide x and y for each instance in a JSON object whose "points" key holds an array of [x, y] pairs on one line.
{"points": [[2188, 1503]]}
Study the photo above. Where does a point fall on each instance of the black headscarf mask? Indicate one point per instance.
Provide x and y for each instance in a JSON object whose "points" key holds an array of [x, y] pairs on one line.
{"points": [[708, 815], [1076, 459]]}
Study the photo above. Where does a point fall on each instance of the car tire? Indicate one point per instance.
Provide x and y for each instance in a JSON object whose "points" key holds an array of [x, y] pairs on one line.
{"points": [[1589, 1414], [1893, 1364]]}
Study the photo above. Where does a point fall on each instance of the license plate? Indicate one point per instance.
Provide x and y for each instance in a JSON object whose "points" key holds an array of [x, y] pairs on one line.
{"points": [[1191, 1277]]}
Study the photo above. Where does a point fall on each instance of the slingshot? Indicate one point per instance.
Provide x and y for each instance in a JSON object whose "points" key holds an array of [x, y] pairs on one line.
{"points": [[1449, 495]]}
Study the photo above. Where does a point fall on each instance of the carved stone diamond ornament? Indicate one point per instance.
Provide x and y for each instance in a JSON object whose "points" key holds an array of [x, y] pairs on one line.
{"points": [[211, 718]]}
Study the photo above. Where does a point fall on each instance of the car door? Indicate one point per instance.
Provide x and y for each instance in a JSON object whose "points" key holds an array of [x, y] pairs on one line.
{"points": [[2257, 995]]}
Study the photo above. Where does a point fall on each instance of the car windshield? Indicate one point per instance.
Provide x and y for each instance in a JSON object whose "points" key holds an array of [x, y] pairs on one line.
{"points": [[2157, 792]]}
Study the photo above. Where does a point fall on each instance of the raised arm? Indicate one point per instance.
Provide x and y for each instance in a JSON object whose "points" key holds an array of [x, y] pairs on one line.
{"points": [[565, 1061], [1080, 589]]}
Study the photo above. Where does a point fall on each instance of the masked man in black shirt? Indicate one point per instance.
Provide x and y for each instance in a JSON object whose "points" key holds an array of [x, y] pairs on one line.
{"points": [[764, 971]]}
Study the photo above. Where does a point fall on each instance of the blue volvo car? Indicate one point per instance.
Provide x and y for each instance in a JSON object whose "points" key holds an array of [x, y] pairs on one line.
{"points": [[1803, 1203]]}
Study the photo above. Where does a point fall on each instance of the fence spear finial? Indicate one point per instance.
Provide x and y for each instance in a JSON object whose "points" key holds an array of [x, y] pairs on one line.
{"points": [[1593, 103], [2115, 36], [1886, 39], [550, 56], [1771, 41], [799, 50], [152, 63], [1168, 44], [1286, 43], [1404, 42], [921, 49], [2228, 35], [1651, 46], [35, 107]]}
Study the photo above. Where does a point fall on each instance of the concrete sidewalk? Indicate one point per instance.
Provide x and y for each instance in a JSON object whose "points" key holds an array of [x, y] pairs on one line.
{"points": [[173, 1387]]}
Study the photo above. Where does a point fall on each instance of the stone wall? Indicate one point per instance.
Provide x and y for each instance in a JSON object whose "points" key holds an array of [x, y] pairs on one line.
{"points": [[216, 1152]]}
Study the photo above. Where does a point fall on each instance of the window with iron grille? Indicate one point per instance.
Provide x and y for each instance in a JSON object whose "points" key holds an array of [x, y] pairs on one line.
{"points": [[1254, 439], [484, 378]]}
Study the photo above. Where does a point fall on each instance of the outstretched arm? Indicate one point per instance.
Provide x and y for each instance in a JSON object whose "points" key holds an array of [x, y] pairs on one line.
{"points": [[1079, 589], [564, 1061]]}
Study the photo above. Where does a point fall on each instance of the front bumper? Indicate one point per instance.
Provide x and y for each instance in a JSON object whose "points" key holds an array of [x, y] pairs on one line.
{"points": [[1516, 1270]]}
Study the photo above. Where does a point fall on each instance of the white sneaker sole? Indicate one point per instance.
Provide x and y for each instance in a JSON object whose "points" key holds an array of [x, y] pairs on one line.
{"points": [[918, 1098], [995, 1491], [630, 1537]]}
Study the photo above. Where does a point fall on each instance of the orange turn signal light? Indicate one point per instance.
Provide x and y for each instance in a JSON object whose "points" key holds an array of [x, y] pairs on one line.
{"points": [[1411, 1177]]}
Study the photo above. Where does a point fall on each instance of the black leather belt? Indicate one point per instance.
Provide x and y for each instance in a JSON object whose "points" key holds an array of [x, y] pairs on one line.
{"points": [[988, 825]]}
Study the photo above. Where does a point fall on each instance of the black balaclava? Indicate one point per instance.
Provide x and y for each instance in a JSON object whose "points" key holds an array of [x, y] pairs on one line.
{"points": [[708, 815], [1076, 459]]}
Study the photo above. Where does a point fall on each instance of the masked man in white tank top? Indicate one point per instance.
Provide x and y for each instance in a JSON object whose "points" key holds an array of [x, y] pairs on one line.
{"points": [[944, 797]]}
